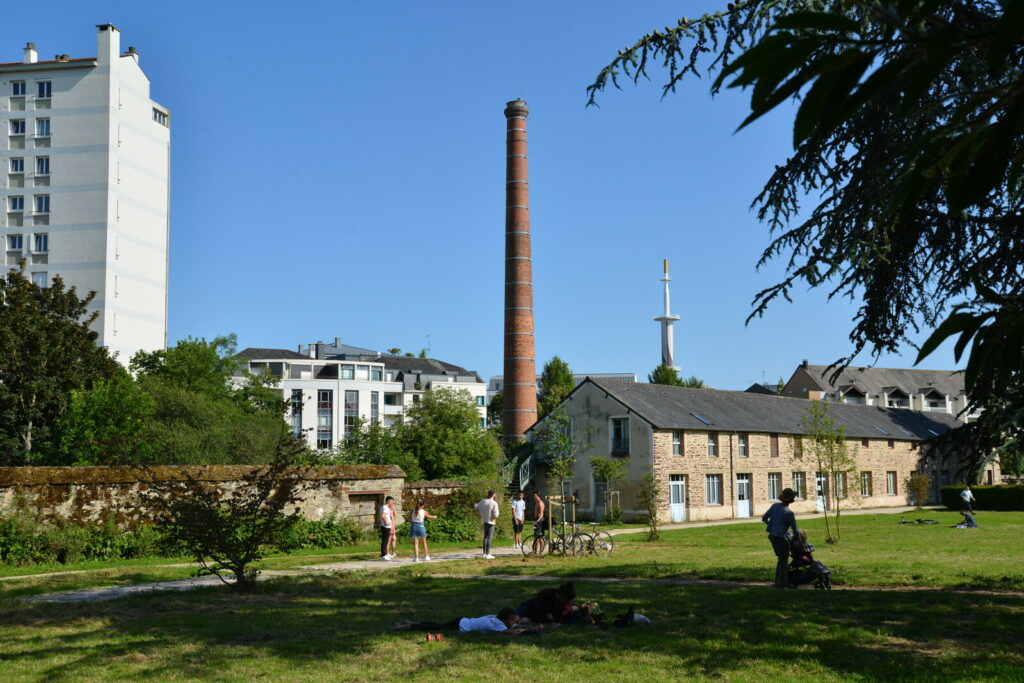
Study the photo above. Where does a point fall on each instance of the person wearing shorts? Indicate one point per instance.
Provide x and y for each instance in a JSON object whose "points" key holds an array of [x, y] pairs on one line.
{"points": [[418, 534], [519, 518]]}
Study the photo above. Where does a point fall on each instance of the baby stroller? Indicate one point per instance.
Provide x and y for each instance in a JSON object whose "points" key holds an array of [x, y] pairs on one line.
{"points": [[803, 568]]}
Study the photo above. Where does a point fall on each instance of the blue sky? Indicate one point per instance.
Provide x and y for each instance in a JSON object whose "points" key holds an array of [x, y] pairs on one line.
{"points": [[338, 170]]}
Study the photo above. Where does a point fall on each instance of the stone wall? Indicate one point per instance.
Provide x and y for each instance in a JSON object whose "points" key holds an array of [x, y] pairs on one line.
{"points": [[95, 494], [434, 494]]}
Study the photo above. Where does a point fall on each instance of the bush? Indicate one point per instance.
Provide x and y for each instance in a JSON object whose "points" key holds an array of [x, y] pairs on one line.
{"points": [[999, 497], [333, 531]]}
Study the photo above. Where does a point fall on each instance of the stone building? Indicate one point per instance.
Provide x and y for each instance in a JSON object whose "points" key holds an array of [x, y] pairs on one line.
{"points": [[724, 454]]}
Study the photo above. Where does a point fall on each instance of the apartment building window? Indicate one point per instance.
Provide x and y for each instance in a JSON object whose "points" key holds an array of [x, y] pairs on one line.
{"points": [[40, 279], [348, 372], [774, 485], [296, 406], [42, 203], [17, 126], [324, 418], [17, 165], [865, 484], [17, 88], [363, 372], [620, 436], [839, 484], [800, 485], [374, 407], [677, 442], [14, 242], [15, 203], [41, 242], [714, 489], [376, 374], [744, 446], [391, 399], [712, 445], [773, 442], [43, 89], [42, 128], [481, 401], [890, 483], [42, 165], [161, 117], [351, 411]]}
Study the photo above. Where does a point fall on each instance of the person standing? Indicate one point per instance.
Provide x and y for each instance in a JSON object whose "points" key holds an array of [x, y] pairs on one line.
{"points": [[419, 531], [387, 523], [518, 518], [968, 497], [393, 541], [539, 525], [780, 520], [488, 510]]}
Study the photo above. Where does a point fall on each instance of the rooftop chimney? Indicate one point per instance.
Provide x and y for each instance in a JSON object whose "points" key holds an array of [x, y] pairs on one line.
{"points": [[520, 364], [108, 43], [133, 53], [31, 56]]}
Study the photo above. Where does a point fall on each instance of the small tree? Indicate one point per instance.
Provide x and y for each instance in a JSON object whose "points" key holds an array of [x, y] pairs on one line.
{"points": [[833, 459], [559, 445], [918, 486], [611, 471], [556, 382], [443, 432], [227, 532], [649, 497]]}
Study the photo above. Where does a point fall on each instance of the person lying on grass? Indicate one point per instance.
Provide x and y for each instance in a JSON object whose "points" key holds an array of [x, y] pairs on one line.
{"points": [[550, 605], [505, 621]]}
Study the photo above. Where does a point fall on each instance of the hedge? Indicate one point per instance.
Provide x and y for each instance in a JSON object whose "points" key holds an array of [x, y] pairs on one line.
{"points": [[1001, 497]]}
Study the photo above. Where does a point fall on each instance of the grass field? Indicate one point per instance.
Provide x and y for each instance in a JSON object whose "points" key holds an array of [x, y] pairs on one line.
{"points": [[336, 627]]}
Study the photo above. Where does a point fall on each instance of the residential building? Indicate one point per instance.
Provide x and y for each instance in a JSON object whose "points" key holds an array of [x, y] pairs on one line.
{"points": [[930, 391], [495, 383], [85, 156], [725, 454], [329, 387]]}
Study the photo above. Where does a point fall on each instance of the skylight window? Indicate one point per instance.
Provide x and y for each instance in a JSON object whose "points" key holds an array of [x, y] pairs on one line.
{"points": [[904, 431], [701, 418], [880, 430], [933, 432]]}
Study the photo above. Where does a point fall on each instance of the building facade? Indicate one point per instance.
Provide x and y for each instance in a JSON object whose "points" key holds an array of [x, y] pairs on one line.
{"points": [[728, 454], [85, 158], [330, 388]]}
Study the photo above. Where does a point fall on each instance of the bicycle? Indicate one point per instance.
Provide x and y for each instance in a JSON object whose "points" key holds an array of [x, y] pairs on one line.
{"points": [[558, 544], [598, 543]]}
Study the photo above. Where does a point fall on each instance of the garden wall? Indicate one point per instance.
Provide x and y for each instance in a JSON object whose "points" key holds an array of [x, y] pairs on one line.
{"points": [[434, 494], [95, 494]]}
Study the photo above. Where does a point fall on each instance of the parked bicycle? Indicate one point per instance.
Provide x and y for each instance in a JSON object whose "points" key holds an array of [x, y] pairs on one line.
{"points": [[575, 543]]}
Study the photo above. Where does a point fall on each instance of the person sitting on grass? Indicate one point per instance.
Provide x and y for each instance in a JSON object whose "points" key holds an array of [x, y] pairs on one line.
{"points": [[550, 605], [505, 621], [968, 521]]}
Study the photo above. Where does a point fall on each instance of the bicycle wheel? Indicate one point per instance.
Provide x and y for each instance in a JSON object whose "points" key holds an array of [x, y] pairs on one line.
{"points": [[535, 545], [558, 545], [584, 544], [603, 544]]}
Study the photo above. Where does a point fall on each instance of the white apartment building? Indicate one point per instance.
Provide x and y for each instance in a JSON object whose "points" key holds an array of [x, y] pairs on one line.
{"points": [[329, 387], [84, 183]]}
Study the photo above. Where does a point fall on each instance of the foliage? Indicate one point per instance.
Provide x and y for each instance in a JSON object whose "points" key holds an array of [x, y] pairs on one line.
{"points": [[918, 487], [558, 445], [997, 497], [442, 431], [667, 375], [556, 382], [832, 458], [47, 351], [447, 529], [376, 444], [648, 494], [908, 149], [193, 364], [611, 470], [226, 533], [333, 531], [781, 386], [496, 409]]}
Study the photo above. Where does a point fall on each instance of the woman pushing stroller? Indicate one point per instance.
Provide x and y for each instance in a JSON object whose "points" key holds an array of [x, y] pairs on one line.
{"points": [[780, 520]]}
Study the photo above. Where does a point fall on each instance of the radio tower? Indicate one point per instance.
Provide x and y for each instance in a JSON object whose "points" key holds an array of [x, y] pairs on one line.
{"points": [[666, 319]]}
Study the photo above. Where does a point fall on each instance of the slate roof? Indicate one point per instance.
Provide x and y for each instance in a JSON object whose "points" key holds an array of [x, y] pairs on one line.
{"points": [[668, 407], [874, 380], [425, 366], [253, 353]]}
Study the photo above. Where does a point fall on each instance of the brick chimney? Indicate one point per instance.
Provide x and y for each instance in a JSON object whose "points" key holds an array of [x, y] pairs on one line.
{"points": [[520, 364]]}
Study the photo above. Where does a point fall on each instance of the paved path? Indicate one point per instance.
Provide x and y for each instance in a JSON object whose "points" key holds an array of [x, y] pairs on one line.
{"points": [[112, 592]]}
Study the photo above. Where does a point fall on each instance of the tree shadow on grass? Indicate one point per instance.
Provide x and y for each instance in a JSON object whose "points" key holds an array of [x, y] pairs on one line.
{"points": [[301, 627]]}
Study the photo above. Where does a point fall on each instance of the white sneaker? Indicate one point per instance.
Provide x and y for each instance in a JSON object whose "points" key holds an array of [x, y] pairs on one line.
{"points": [[426, 558], [489, 557], [385, 558], [415, 559]]}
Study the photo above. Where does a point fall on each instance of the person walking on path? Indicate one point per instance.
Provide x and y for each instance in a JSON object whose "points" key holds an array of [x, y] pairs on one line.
{"points": [[968, 497], [488, 510], [393, 541], [518, 518], [780, 519], [387, 523], [419, 531]]}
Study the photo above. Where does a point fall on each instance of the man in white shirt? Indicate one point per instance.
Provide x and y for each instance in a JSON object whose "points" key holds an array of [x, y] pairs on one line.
{"points": [[386, 522], [488, 510], [504, 621], [968, 498], [519, 518]]}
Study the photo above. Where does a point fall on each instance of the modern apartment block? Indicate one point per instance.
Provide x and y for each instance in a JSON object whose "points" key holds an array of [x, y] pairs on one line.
{"points": [[330, 386], [84, 182]]}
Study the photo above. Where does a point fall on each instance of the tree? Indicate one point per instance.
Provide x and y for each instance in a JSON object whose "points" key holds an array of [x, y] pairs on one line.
{"points": [[648, 494], [496, 409], [46, 351], [918, 486], [442, 431], [908, 153], [667, 375], [376, 444], [194, 364], [612, 471], [558, 446], [556, 382], [781, 386], [833, 460]]}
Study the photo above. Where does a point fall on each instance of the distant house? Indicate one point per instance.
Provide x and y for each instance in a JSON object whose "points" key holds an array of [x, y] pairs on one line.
{"points": [[331, 386], [723, 454], [497, 382], [930, 391]]}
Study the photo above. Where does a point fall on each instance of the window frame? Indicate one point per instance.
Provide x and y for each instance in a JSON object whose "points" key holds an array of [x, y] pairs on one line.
{"points": [[41, 275], [41, 243], [799, 480], [677, 442], [774, 485], [41, 200], [712, 444], [11, 243], [17, 127], [44, 86], [866, 484], [616, 422], [43, 123], [19, 161], [743, 445], [41, 161], [773, 445], [717, 480], [891, 483], [16, 199], [16, 86]]}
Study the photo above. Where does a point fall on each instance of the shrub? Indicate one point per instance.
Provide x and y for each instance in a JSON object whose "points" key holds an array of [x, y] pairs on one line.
{"points": [[333, 531], [998, 497], [919, 487]]}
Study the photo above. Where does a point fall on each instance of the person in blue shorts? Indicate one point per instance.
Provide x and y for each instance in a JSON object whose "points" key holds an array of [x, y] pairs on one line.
{"points": [[419, 531]]}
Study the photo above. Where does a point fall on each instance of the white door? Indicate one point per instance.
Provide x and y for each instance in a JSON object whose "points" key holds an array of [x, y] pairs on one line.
{"points": [[677, 497], [742, 495], [821, 491]]}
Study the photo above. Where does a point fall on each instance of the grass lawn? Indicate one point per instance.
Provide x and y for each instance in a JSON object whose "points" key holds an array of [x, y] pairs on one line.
{"points": [[875, 550]]}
